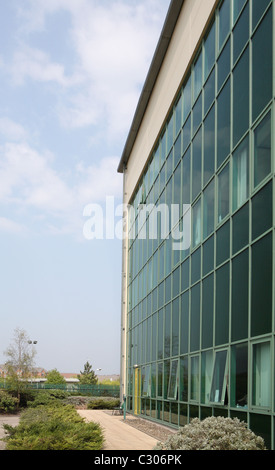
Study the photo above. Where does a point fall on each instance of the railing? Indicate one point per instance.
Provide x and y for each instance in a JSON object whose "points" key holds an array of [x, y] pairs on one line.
{"points": [[94, 390]]}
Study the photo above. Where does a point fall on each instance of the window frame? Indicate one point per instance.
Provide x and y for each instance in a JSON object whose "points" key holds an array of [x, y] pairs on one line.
{"points": [[225, 380]]}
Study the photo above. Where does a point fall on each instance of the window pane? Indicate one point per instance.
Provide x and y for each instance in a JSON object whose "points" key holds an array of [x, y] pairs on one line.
{"points": [[223, 243], [208, 256], [185, 275], [241, 97], [223, 193], [187, 99], [206, 376], [186, 134], [197, 115], [208, 209], [209, 51], [261, 392], [241, 229], [173, 381], [238, 4], [262, 150], [261, 297], [222, 305], [209, 146], [196, 165], [207, 311], [239, 368], [196, 224], [196, 266], [262, 53], [241, 33], [262, 210], [224, 64], [195, 377], [184, 323], [184, 379], [258, 9], [167, 331], [217, 394], [195, 318], [240, 279], [240, 174], [175, 327], [224, 123], [160, 334], [160, 379], [224, 21], [178, 116], [209, 92], [197, 76], [186, 178]]}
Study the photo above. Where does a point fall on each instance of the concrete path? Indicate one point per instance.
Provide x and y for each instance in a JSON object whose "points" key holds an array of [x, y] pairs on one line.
{"points": [[118, 435], [12, 420]]}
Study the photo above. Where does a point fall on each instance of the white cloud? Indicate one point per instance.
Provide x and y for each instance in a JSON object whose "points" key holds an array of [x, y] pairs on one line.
{"points": [[11, 130], [9, 226]]}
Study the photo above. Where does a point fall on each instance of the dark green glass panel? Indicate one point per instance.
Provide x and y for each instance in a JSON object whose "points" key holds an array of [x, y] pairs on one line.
{"points": [[175, 327], [178, 116], [186, 134], [240, 229], [209, 50], [224, 21], [197, 115], [169, 165], [209, 146], [195, 318], [262, 211], [241, 97], [196, 266], [222, 305], [167, 331], [160, 335], [224, 124], [209, 92], [154, 337], [177, 151], [262, 53], [239, 376], [237, 6], [224, 64], [240, 279], [176, 282], [223, 193], [208, 209], [261, 425], [262, 287], [208, 256], [185, 275], [187, 99], [197, 76], [168, 289], [196, 165], [258, 8], [241, 174], [183, 395], [207, 311], [184, 323], [186, 167], [241, 33], [223, 243], [262, 150]]}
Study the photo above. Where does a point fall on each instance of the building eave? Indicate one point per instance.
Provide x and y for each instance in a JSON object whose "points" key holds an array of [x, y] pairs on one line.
{"points": [[162, 46]]}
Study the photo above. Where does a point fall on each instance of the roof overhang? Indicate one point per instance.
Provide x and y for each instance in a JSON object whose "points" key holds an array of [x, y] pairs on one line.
{"points": [[162, 46]]}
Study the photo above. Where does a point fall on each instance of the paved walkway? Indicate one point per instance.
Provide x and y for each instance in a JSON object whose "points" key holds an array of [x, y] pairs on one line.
{"points": [[118, 435], [12, 420]]}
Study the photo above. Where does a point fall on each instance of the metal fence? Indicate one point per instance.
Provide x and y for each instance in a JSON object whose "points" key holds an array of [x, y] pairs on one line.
{"points": [[93, 390]]}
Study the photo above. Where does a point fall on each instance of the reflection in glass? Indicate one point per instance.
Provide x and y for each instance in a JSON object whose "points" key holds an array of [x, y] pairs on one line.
{"points": [[261, 390], [240, 174], [262, 150], [219, 379]]}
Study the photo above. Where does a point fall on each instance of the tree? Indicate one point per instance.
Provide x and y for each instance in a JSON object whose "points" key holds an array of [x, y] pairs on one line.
{"points": [[54, 377], [88, 376], [20, 361]]}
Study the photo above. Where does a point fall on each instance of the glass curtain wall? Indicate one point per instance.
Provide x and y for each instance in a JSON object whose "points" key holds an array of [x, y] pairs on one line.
{"points": [[197, 315]]}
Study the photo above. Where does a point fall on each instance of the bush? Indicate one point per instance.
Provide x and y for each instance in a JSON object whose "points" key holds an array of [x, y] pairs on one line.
{"points": [[46, 397], [8, 403], [214, 433], [56, 427], [102, 404]]}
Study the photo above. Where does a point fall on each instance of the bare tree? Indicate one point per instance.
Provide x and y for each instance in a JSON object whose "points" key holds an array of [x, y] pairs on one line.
{"points": [[20, 361]]}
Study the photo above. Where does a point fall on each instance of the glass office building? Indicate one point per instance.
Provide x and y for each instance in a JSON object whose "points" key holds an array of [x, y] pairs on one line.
{"points": [[199, 320]]}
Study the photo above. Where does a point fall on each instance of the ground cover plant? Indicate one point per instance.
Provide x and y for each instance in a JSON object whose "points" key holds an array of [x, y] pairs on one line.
{"points": [[214, 433], [53, 427], [8, 403]]}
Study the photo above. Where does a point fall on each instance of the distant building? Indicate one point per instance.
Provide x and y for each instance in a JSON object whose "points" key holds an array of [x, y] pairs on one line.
{"points": [[197, 329]]}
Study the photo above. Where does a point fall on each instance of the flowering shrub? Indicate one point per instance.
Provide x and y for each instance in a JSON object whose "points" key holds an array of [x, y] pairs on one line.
{"points": [[214, 433]]}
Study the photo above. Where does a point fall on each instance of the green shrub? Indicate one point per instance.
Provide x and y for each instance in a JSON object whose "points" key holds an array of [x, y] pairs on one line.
{"points": [[8, 403], [46, 397], [214, 433], [56, 427], [101, 404]]}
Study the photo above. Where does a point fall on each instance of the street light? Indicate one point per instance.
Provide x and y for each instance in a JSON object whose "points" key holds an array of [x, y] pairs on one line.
{"points": [[32, 342]]}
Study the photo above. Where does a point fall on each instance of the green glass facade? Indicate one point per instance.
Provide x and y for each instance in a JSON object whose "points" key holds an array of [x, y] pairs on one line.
{"points": [[200, 321]]}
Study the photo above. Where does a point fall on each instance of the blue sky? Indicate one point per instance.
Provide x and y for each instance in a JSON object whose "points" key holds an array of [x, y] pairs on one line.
{"points": [[71, 75]]}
